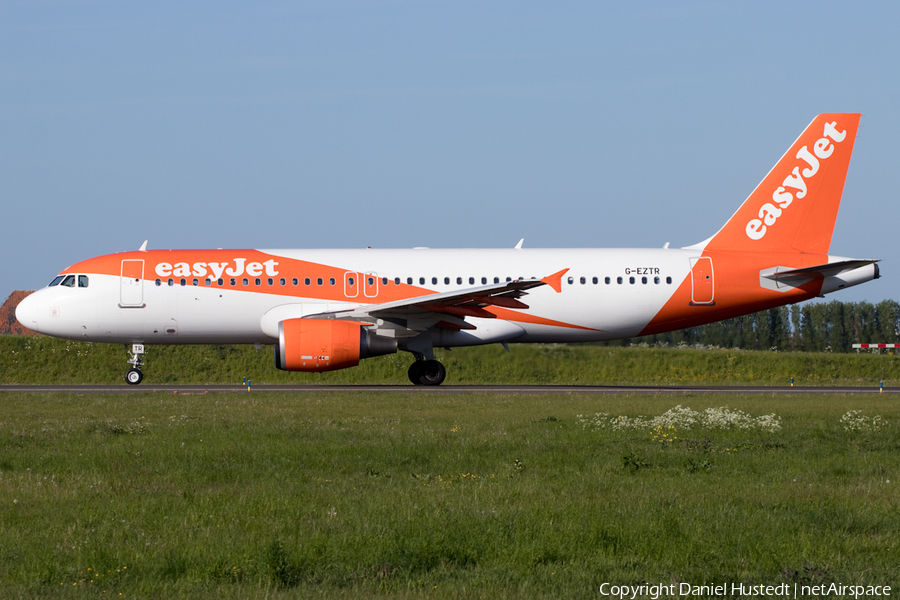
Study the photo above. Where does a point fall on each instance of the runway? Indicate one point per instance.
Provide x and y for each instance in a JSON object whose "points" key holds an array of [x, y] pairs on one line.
{"points": [[446, 389]]}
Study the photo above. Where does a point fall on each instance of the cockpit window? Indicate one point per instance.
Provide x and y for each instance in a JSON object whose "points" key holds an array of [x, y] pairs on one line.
{"points": [[82, 281], [69, 281], [56, 281]]}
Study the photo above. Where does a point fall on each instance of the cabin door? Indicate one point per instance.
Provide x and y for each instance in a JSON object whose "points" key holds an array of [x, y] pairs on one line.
{"points": [[131, 290], [702, 281]]}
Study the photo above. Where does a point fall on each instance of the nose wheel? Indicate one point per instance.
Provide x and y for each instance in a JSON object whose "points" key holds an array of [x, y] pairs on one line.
{"points": [[427, 372], [133, 376]]}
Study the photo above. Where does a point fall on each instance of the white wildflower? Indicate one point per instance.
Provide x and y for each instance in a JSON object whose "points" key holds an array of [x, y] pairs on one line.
{"points": [[683, 418], [678, 417], [854, 420]]}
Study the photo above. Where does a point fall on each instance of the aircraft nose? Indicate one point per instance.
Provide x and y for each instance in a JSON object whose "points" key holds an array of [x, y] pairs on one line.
{"points": [[27, 313]]}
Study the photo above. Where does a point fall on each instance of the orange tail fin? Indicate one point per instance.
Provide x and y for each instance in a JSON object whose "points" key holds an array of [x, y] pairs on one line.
{"points": [[795, 206]]}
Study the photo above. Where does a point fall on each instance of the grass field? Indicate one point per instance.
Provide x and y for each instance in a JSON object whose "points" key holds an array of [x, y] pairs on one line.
{"points": [[31, 360], [271, 495]]}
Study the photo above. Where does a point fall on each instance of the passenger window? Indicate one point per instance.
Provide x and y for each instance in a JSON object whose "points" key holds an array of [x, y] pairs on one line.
{"points": [[183, 281], [571, 280], [55, 281], [295, 281], [246, 281], [69, 281], [471, 281], [331, 281], [371, 280], [483, 280], [257, 281], [434, 281], [196, 281], [496, 280], [409, 280], [606, 280], [421, 281], [656, 280], [643, 280], [596, 281], [221, 281], [307, 281], [233, 282], [172, 282], [384, 281], [459, 281], [583, 281], [158, 282], [282, 281], [271, 281], [618, 280], [668, 280], [631, 280], [319, 281], [351, 281], [446, 281], [397, 280]]}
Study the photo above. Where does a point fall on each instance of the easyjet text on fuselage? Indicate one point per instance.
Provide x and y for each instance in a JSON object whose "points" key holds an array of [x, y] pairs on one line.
{"points": [[234, 268]]}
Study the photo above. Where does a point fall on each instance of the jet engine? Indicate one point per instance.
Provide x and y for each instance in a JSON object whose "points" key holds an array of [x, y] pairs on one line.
{"points": [[316, 345]]}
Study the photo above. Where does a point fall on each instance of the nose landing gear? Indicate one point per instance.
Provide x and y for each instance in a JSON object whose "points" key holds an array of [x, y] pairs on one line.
{"points": [[133, 376]]}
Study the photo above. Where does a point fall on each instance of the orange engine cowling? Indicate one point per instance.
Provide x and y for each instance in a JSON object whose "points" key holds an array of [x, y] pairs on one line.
{"points": [[315, 345]]}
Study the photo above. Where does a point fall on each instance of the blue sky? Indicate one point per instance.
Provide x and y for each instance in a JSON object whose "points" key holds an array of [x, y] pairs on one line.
{"points": [[442, 124]]}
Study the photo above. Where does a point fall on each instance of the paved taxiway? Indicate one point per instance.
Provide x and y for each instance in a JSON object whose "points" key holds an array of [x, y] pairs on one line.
{"points": [[449, 389]]}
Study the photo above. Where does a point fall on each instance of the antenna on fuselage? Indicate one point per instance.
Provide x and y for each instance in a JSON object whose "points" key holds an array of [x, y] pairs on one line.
{"points": [[519, 245], [143, 247]]}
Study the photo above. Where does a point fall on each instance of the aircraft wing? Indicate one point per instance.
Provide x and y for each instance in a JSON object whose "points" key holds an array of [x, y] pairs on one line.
{"points": [[411, 316]]}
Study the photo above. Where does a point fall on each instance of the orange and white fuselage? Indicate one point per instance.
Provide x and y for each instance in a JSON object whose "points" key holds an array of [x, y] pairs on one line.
{"points": [[605, 294], [773, 251]]}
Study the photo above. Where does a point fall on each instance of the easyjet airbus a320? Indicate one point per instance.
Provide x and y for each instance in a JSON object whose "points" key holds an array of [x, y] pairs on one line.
{"points": [[327, 309]]}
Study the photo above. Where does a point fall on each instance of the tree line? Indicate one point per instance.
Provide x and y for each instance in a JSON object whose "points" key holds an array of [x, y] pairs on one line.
{"points": [[815, 327]]}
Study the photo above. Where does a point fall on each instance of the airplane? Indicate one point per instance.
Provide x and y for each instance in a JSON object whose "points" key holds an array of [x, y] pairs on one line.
{"points": [[323, 310]]}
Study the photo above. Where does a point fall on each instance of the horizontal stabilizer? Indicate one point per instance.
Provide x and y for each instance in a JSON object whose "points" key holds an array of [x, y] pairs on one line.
{"points": [[826, 270]]}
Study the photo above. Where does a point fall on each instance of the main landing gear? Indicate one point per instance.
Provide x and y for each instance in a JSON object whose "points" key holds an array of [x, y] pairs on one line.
{"points": [[133, 376], [427, 372]]}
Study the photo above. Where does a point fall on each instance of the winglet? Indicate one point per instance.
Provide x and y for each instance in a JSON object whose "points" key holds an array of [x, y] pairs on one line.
{"points": [[555, 280]]}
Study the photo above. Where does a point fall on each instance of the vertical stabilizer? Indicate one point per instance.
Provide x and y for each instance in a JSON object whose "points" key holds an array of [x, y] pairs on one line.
{"points": [[795, 206]]}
